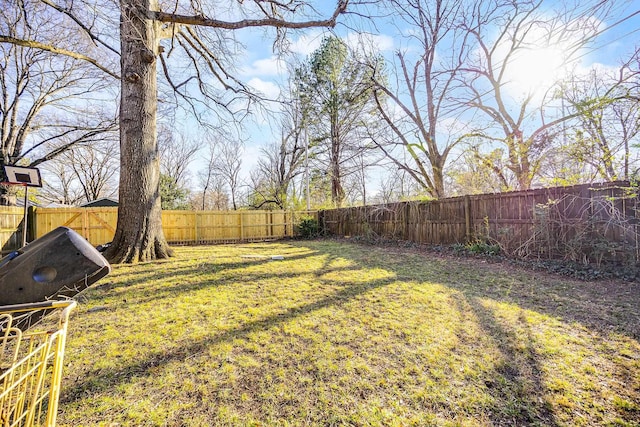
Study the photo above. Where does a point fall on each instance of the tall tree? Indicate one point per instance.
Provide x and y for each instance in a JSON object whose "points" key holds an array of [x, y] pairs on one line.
{"points": [[84, 173], [139, 235], [224, 162], [518, 132], [213, 196], [424, 85], [281, 162], [60, 185], [48, 102], [209, 181], [337, 99], [177, 153], [278, 165], [227, 164], [396, 185], [96, 168]]}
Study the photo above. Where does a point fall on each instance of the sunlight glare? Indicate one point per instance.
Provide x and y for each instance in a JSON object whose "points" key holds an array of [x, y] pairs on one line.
{"points": [[537, 69]]}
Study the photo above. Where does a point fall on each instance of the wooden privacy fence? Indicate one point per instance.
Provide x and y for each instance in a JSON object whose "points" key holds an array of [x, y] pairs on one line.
{"points": [[11, 223], [98, 225], [585, 223]]}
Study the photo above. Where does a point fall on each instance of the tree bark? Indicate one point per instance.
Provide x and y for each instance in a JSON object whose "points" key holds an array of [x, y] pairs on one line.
{"points": [[139, 235]]}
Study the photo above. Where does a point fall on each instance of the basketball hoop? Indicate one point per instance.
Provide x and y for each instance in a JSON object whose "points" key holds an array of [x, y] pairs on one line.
{"points": [[18, 175], [27, 177]]}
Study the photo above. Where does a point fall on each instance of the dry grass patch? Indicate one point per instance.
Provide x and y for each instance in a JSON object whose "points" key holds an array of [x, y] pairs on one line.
{"points": [[343, 334]]}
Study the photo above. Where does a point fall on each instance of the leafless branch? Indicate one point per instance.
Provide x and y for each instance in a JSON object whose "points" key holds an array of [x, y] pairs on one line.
{"points": [[57, 50], [97, 40], [204, 21]]}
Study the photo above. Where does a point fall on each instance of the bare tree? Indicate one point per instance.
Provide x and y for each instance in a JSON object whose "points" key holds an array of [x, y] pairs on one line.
{"points": [[418, 102], [215, 198], [356, 184], [396, 185], [209, 180], [281, 162], [519, 124], [48, 102], [608, 121], [143, 24], [176, 155], [83, 173], [95, 167], [278, 165], [222, 170], [227, 164], [60, 185]]}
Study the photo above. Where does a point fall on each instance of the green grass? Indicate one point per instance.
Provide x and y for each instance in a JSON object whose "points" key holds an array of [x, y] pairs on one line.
{"points": [[343, 334]]}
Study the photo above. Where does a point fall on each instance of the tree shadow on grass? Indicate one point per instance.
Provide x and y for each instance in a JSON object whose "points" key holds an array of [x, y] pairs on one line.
{"points": [[173, 278], [181, 280], [517, 382], [609, 312], [603, 306], [109, 379], [517, 386]]}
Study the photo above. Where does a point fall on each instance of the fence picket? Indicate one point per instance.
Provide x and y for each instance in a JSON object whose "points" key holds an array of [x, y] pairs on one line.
{"points": [[547, 222], [98, 225], [584, 223]]}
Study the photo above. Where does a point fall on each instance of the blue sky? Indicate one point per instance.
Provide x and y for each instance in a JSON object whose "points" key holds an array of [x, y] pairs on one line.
{"points": [[266, 71]]}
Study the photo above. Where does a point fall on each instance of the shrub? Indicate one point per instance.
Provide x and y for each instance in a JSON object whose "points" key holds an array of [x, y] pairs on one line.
{"points": [[308, 227], [480, 247]]}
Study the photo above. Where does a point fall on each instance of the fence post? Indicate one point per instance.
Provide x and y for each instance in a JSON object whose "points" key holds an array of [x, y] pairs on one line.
{"points": [[467, 218], [295, 221], [31, 224], [196, 218], [85, 224], [407, 214], [271, 224], [286, 222]]}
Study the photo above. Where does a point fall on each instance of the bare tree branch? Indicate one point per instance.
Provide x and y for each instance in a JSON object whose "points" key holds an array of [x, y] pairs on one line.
{"points": [[79, 22], [57, 50], [203, 21]]}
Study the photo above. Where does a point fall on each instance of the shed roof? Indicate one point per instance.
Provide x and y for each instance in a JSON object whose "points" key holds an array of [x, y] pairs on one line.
{"points": [[99, 203]]}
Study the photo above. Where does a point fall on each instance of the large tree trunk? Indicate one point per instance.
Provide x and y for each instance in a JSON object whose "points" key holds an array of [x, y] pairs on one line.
{"points": [[139, 235]]}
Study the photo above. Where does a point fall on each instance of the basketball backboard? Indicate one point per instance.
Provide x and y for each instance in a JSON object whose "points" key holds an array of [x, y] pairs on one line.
{"points": [[23, 176]]}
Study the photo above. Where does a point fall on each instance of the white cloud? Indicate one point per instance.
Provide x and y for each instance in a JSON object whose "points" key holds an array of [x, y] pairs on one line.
{"points": [[266, 88], [272, 66], [368, 43]]}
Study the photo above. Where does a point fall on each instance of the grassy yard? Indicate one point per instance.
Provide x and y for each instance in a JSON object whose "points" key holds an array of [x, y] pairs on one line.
{"points": [[343, 334]]}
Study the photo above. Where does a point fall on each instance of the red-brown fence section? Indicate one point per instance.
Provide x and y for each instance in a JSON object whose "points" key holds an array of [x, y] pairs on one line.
{"points": [[585, 223]]}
